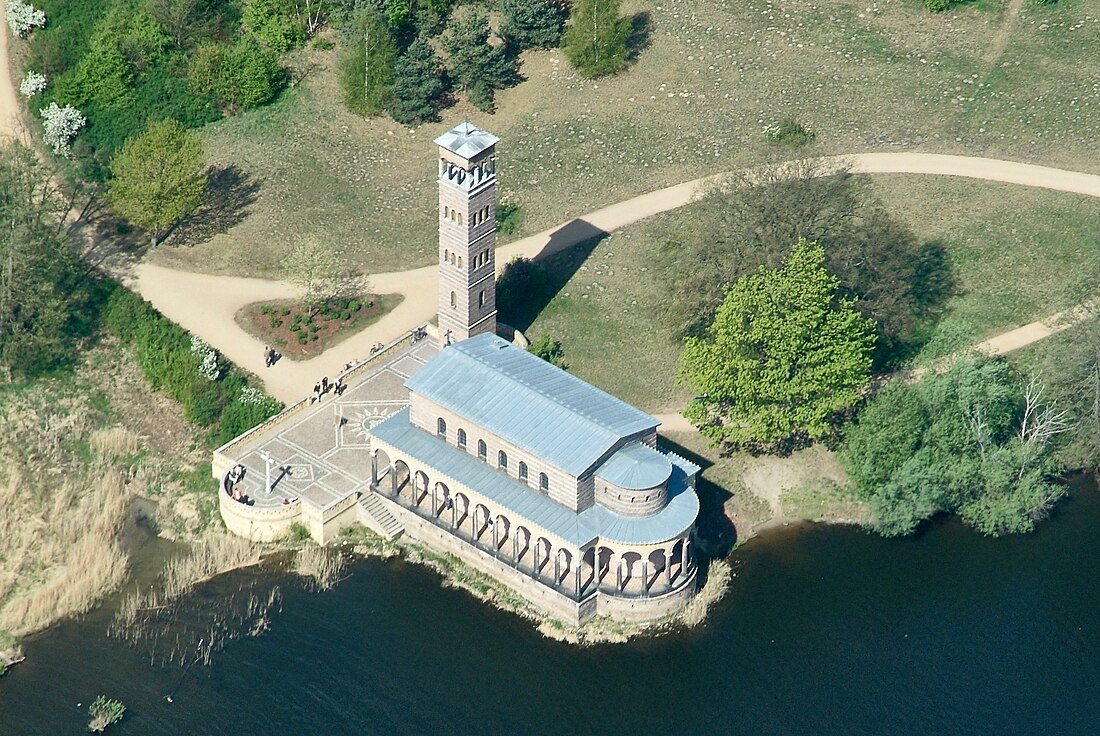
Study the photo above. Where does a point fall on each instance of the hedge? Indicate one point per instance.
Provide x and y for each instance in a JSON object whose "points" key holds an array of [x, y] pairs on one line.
{"points": [[163, 351]]}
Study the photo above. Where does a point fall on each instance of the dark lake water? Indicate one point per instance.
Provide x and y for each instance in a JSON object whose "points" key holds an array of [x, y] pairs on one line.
{"points": [[825, 630]]}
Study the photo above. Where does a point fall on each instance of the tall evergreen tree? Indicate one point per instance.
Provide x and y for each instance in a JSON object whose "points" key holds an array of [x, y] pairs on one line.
{"points": [[418, 87], [596, 40], [473, 62], [366, 65], [531, 23]]}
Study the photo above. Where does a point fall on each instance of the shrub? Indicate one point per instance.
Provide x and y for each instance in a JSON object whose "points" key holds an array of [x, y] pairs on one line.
{"points": [[59, 126], [788, 133], [507, 216], [104, 712], [22, 17], [354, 306], [32, 84], [299, 532], [937, 6], [284, 311], [265, 309], [549, 350], [275, 23]]}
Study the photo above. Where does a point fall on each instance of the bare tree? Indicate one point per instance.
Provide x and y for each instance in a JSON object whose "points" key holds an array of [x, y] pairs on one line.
{"points": [[1039, 424], [322, 273]]}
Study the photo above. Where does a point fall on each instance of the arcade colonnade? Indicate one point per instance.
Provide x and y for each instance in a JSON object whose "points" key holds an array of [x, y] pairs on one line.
{"points": [[604, 566]]}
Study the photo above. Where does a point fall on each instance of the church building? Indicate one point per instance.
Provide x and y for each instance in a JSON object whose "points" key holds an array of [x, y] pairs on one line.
{"points": [[522, 470]]}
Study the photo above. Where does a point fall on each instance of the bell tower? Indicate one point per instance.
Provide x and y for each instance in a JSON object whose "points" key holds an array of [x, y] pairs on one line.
{"points": [[467, 232]]}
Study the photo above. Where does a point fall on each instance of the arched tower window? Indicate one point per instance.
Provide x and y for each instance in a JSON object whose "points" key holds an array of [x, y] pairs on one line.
{"points": [[523, 471], [446, 255], [544, 483], [481, 298], [441, 427], [460, 261], [454, 300], [482, 450], [462, 438], [502, 460], [459, 218]]}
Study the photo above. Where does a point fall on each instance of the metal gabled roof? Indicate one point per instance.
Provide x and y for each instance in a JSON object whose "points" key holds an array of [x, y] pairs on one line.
{"points": [[578, 529], [636, 467], [528, 402], [467, 140]]}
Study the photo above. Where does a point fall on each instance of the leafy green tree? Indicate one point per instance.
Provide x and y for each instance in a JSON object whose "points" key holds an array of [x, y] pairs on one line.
{"points": [[240, 77], [596, 40], [45, 289], [159, 177], [367, 64], [418, 89], [783, 358], [973, 441], [549, 350], [275, 22], [480, 67], [531, 23]]}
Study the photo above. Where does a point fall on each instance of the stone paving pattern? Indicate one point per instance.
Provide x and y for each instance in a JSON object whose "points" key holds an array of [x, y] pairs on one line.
{"points": [[323, 454]]}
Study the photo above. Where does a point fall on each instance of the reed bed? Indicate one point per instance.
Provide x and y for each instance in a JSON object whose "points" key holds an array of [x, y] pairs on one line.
{"points": [[320, 566]]}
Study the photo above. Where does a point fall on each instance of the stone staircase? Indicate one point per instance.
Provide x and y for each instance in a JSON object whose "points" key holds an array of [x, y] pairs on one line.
{"points": [[374, 515]]}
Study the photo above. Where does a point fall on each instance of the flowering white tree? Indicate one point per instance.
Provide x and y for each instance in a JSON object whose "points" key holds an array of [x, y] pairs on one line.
{"points": [[32, 84], [208, 359], [59, 125], [22, 17]]}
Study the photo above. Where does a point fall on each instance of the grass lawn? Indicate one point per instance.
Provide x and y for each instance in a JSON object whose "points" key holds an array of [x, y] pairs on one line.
{"points": [[274, 323], [861, 76], [1018, 254]]}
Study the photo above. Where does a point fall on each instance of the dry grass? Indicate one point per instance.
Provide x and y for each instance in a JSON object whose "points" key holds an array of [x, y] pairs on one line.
{"points": [[61, 549], [116, 441], [713, 590], [884, 75], [322, 567], [72, 461]]}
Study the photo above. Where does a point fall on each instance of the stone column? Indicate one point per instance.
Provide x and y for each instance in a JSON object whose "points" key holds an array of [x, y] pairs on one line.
{"points": [[668, 569]]}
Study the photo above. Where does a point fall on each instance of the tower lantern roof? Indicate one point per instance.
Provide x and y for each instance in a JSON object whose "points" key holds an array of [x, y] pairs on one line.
{"points": [[466, 140]]}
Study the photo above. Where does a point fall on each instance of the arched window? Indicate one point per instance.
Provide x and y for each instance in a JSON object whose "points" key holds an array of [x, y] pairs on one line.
{"points": [[441, 427], [481, 298], [452, 259], [459, 218], [523, 471], [482, 450], [502, 460], [454, 300], [446, 212], [544, 483], [460, 261], [452, 215], [462, 438]]}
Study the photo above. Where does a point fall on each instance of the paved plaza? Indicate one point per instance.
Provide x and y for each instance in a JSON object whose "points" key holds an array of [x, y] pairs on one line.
{"points": [[323, 452]]}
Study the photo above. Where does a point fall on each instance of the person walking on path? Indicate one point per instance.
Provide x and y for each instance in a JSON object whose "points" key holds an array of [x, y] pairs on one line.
{"points": [[316, 393]]}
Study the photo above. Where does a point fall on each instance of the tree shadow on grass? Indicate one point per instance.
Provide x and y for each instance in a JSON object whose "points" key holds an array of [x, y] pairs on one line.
{"points": [[526, 286], [641, 33], [229, 194], [715, 532]]}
